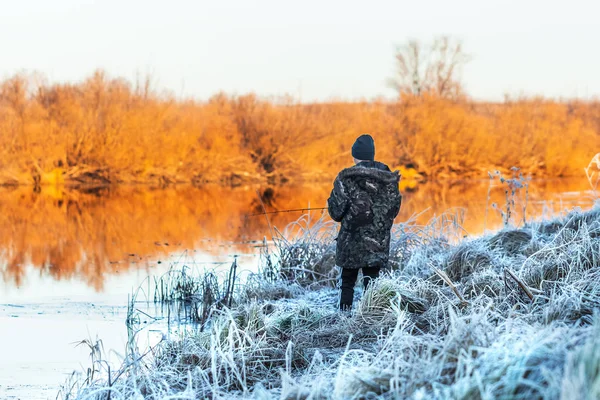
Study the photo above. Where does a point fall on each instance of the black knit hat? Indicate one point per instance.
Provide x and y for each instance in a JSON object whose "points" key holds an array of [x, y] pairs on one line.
{"points": [[364, 148]]}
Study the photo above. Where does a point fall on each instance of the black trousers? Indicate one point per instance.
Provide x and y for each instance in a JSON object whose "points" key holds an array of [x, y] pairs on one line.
{"points": [[349, 280]]}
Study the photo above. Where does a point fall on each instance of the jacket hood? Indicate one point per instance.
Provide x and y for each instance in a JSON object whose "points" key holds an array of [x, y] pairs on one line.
{"points": [[379, 172]]}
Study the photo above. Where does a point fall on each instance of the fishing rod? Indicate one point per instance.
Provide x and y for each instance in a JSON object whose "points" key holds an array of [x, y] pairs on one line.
{"points": [[292, 210]]}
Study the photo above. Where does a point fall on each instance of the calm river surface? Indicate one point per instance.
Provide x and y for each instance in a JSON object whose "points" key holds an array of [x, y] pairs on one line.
{"points": [[70, 258]]}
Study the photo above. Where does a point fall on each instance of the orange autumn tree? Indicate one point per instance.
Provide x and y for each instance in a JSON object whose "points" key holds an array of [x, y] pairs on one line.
{"points": [[107, 130]]}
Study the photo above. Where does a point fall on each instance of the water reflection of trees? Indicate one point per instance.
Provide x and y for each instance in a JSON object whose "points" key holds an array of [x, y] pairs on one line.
{"points": [[86, 235]]}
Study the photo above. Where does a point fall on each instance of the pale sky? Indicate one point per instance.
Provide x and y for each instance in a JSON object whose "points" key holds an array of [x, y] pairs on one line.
{"points": [[313, 50]]}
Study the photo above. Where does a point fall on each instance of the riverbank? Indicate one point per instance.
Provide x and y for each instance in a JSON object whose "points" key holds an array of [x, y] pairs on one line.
{"points": [[511, 314], [98, 177]]}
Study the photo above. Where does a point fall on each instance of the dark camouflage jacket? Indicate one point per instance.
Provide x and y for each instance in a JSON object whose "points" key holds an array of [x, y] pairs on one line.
{"points": [[365, 199]]}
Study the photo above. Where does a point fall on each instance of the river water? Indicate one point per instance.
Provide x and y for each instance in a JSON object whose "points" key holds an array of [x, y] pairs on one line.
{"points": [[69, 259]]}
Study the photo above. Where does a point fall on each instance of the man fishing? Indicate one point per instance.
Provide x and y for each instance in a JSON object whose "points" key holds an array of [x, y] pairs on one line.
{"points": [[365, 199]]}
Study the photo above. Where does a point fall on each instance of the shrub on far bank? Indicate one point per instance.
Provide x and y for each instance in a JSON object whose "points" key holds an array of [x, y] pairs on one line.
{"points": [[107, 130]]}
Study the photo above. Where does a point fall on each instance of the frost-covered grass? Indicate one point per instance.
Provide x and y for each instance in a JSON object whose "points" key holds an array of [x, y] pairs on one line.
{"points": [[511, 315]]}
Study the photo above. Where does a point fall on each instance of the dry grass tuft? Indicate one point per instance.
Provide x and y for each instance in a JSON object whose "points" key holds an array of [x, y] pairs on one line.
{"points": [[510, 241], [466, 260]]}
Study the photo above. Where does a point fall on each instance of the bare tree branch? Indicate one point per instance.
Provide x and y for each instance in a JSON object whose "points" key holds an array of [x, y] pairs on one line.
{"points": [[433, 68]]}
